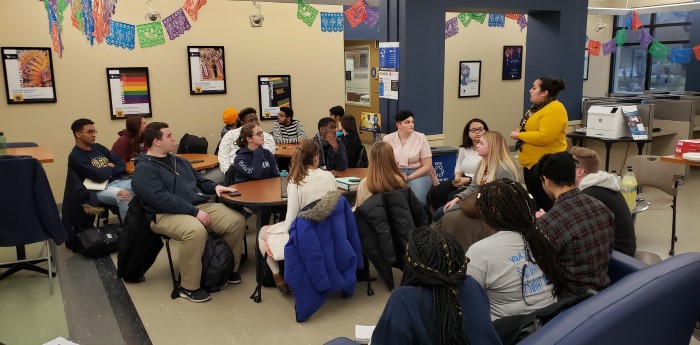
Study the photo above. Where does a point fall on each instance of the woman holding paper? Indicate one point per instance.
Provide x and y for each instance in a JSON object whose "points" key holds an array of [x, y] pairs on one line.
{"points": [[542, 130]]}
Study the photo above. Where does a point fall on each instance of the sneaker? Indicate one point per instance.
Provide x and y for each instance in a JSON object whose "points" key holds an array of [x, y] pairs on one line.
{"points": [[235, 278], [196, 296]]}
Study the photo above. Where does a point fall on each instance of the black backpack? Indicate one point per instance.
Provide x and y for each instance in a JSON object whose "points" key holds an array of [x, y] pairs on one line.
{"points": [[362, 161], [100, 241], [217, 264], [192, 144]]}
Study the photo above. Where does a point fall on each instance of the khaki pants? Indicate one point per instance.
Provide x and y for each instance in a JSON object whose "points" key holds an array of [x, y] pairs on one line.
{"points": [[182, 227]]}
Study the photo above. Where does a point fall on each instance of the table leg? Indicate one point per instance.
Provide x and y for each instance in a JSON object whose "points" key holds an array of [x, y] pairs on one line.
{"points": [[640, 147], [29, 266]]}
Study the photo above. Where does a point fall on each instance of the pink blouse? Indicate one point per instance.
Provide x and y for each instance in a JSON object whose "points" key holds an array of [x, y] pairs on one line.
{"points": [[408, 155]]}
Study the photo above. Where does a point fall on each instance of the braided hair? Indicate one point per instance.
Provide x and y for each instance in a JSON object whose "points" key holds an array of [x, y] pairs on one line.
{"points": [[435, 259], [505, 205]]}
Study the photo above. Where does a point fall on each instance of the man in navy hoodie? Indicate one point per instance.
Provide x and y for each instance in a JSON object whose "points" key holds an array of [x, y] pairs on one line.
{"points": [[177, 204], [93, 161]]}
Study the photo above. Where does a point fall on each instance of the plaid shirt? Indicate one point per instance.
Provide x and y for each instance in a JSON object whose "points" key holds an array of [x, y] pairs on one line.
{"points": [[582, 233]]}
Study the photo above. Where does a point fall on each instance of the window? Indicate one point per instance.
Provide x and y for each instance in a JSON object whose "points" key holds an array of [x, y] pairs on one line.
{"points": [[635, 70], [357, 76]]}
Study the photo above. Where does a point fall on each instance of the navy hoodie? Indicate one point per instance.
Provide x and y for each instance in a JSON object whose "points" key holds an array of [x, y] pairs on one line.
{"points": [[169, 190], [254, 165]]}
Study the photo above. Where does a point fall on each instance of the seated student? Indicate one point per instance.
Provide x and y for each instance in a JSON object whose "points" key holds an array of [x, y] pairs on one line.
{"points": [[175, 198], [286, 130], [332, 153], [383, 174], [412, 153], [351, 140], [253, 161], [230, 118], [130, 142], [307, 183], [438, 303], [606, 188], [580, 228], [468, 161], [336, 113], [228, 146], [504, 263], [93, 161]]}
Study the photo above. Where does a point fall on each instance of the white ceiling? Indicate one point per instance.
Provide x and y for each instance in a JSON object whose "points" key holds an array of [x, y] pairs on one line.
{"points": [[688, 6]]}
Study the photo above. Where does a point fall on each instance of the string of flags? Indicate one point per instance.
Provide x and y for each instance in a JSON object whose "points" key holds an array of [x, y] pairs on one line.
{"points": [[496, 20], [657, 49], [358, 13], [94, 19]]}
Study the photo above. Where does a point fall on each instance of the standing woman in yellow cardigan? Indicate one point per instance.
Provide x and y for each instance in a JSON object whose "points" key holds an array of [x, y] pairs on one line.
{"points": [[542, 130]]}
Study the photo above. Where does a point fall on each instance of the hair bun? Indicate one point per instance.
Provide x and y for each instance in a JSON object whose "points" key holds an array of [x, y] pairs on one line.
{"points": [[560, 84]]}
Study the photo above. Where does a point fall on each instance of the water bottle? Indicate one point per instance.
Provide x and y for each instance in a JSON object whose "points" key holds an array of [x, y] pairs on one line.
{"points": [[283, 183], [629, 188], [3, 143]]}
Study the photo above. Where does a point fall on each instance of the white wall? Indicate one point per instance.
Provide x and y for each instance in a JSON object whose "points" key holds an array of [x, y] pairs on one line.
{"points": [[284, 45]]}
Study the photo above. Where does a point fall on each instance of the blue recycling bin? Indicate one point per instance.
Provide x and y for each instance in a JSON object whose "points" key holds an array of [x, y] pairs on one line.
{"points": [[444, 160]]}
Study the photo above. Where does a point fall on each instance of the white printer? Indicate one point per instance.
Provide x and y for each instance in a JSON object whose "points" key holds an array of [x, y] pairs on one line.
{"points": [[606, 122]]}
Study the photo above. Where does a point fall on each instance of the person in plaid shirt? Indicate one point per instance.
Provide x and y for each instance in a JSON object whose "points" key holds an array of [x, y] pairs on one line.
{"points": [[580, 228]]}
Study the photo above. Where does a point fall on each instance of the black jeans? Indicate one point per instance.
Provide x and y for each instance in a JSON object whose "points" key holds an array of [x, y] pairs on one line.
{"points": [[534, 186]]}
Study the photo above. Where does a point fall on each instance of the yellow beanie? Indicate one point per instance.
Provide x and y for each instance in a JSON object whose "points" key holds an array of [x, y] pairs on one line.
{"points": [[230, 116]]}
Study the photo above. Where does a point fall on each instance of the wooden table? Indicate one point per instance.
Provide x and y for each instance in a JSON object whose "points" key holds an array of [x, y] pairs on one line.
{"points": [[266, 193], [285, 150], [207, 161], [679, 160], [41, 153]]}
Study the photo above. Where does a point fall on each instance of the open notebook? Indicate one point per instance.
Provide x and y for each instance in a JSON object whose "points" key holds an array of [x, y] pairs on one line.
{"points": [[92, 185], [363, 334]]}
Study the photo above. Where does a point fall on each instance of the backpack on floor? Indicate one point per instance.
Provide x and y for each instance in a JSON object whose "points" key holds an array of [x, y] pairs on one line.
{"points": [[100, 241], [217, 264]]}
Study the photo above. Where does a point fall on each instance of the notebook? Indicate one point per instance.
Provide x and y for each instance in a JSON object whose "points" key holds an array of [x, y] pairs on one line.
{"points": [[92, 185], [347, 183], [363, 334]]}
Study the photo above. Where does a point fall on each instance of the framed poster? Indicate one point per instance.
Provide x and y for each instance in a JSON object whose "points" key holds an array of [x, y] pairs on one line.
{"points": [[586, 60], [207, 74], [28, 75], [469, 78], [275, 91], [512, 62], [129, 92]]}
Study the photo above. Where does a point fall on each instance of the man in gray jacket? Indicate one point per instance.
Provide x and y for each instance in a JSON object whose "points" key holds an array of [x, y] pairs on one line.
{"points": [[177, 204], [606, 188]]}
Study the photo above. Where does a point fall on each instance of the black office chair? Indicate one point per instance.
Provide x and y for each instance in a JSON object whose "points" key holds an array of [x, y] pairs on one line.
{"points": [[28, 214]]}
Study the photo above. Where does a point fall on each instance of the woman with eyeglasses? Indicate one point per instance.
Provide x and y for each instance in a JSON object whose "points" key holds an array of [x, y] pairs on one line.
{"points": [[542, 130], [253, 161], [468, 161]]}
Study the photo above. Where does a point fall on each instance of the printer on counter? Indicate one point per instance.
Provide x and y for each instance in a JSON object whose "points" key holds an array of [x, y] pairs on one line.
{"points": [[606, 122]]}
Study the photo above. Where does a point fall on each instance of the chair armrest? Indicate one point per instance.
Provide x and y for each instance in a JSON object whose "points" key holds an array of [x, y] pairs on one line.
{"points": [[621, 265]]}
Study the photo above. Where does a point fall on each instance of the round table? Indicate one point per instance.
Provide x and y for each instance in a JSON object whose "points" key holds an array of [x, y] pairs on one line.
{"points": [[199, 161], [285, 150]]}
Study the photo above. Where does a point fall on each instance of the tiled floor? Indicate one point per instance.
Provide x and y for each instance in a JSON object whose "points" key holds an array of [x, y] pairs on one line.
{"points": [[30, 316]]}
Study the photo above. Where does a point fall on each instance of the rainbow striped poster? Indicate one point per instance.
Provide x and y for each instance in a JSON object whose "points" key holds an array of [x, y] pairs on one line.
{"points": [[129, 92]]}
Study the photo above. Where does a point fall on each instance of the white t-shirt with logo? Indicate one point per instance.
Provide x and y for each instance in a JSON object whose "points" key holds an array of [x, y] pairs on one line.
{"points": [[497, 263]]}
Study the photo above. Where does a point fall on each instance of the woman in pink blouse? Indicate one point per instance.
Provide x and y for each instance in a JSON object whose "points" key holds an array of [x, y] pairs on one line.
{"points": [[412, 154]]}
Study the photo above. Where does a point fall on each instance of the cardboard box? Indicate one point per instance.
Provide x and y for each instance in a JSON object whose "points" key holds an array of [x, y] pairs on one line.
{"points": [[687, 145]]}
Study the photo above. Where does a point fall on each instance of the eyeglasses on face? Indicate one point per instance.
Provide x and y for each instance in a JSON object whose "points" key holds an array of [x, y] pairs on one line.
{"points": [[477, 130], [260, 134]]}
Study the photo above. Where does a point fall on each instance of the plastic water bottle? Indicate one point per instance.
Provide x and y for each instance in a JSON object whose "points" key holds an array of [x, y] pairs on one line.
{"points": [[3, 143], [284, 175], [629, 188]]}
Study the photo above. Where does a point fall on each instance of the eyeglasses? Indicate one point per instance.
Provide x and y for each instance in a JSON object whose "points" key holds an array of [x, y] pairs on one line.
{"points": [[260, 134], [477, 130], [91, 132]]}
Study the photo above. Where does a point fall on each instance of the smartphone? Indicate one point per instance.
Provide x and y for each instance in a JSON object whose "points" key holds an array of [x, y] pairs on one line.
{"points": [[355, 179], [236, 193]]}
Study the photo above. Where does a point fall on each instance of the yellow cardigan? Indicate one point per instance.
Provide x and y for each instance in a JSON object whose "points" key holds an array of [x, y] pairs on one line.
{"points": [[545, 132]]}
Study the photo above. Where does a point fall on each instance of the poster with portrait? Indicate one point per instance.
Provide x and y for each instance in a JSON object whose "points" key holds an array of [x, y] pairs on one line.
{"points": [[275, 91], [207, 74], [28, 75], [469, 79], [512, 62], [129, 92], [371, 122]]}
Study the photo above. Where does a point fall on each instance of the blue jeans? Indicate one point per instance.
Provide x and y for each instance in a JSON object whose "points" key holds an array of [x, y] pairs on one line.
{"points": [[109, 196], [420, 185]]}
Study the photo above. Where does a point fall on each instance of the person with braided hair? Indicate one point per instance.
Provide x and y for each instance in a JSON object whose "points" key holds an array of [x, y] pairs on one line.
{"points": [[515, 265], [438, 303]]}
